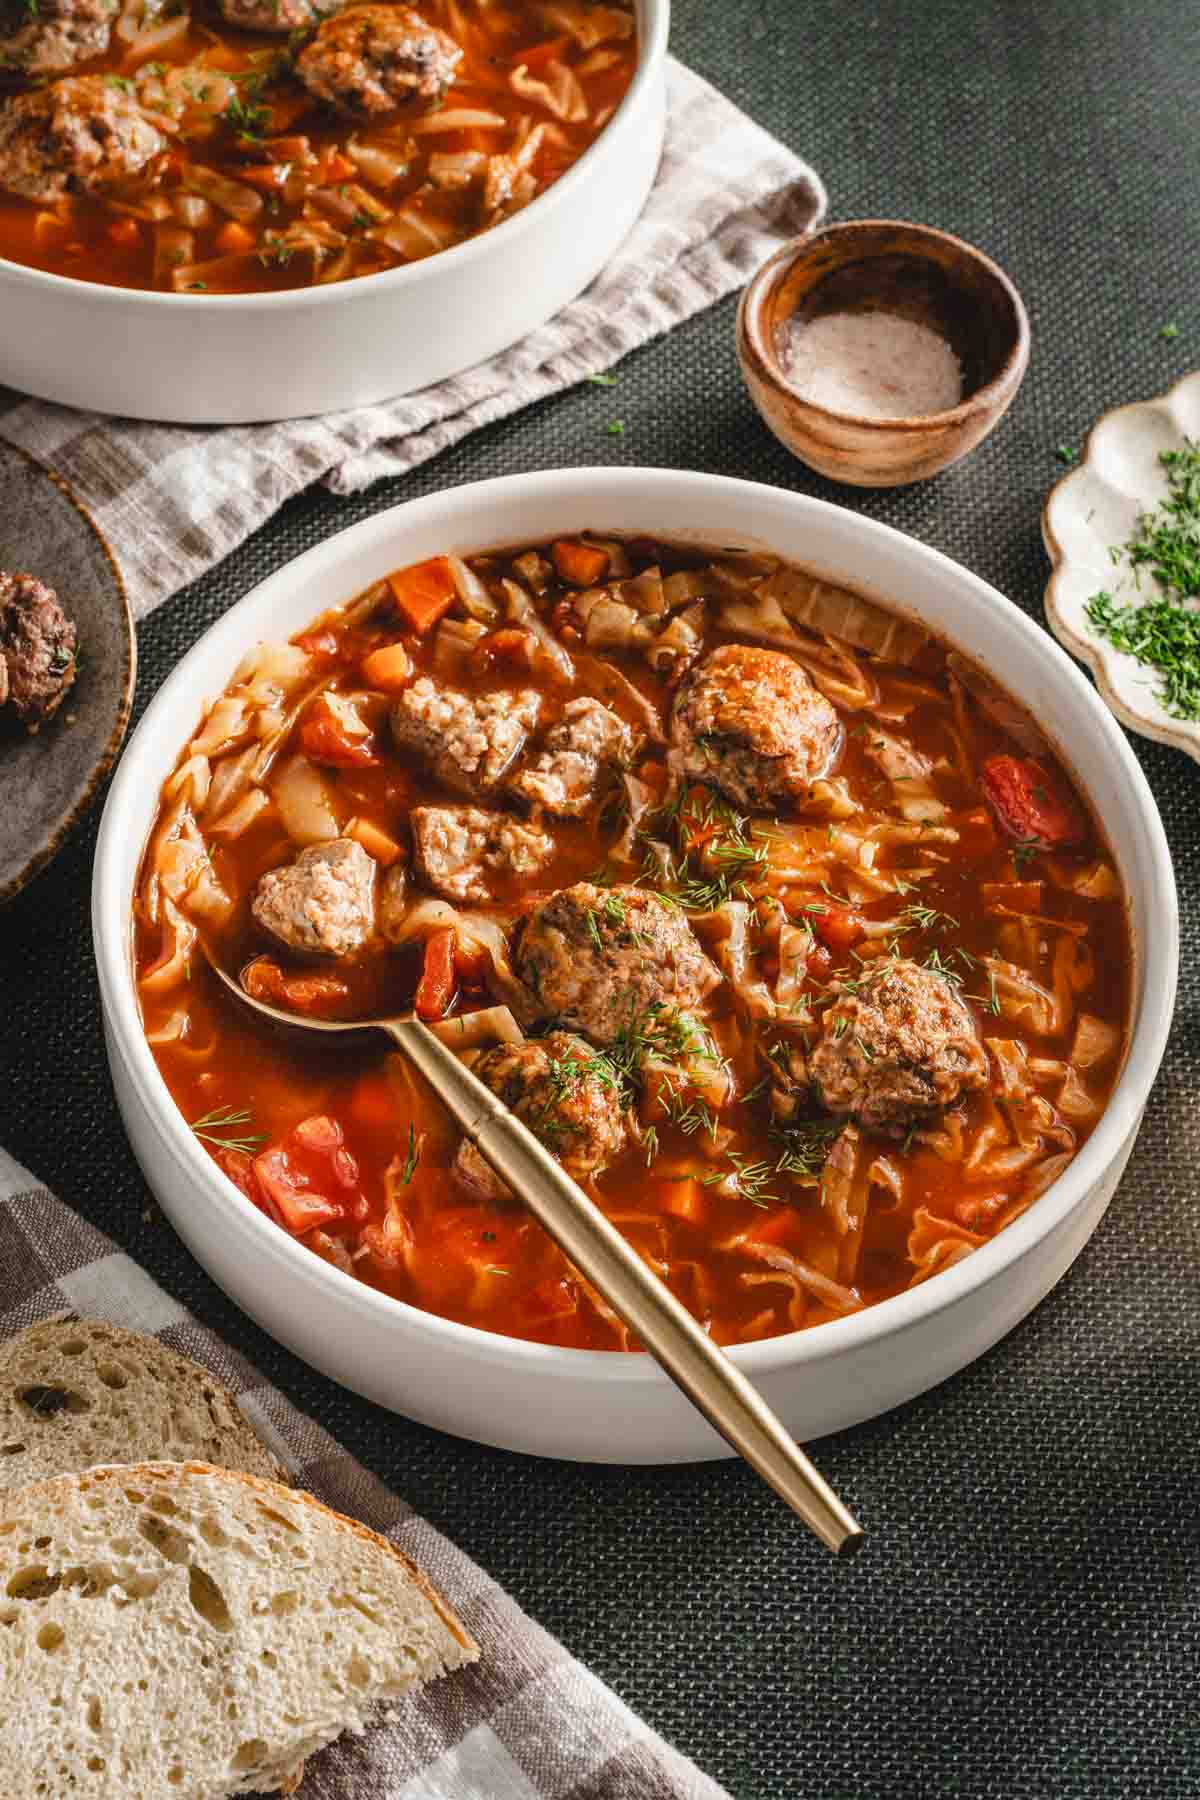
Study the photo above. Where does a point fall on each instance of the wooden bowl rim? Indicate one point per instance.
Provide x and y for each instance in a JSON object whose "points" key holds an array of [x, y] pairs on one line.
{"points": [[753, 342]]}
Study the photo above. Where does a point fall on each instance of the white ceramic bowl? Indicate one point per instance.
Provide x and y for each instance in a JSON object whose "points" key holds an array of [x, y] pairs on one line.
{"points": [[229, 359], [587, 1404]]}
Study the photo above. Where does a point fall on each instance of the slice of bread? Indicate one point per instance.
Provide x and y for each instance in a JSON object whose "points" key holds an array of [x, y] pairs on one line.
{"points": [[171, 1631], [75, 1392]]}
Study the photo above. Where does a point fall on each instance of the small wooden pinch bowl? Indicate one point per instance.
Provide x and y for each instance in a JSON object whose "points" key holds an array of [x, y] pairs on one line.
{"points": [[911, 272]]}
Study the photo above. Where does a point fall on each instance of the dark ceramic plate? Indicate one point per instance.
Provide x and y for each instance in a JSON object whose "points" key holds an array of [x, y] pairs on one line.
{"points": [[48, 780]]}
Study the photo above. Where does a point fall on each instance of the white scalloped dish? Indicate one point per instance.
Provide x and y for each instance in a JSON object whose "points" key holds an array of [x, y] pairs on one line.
{"points": [[1095, 507]]}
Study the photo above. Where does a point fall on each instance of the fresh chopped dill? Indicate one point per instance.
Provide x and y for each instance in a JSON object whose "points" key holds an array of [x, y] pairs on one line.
{"points": [[650, 1143], [614, 909], [803, 1148], [938, 966], [495, 1269], [412, 1158], [1169, 331], [1163, 633], [601, 380], [594, 931], [760, 1087], [616, 428], [1067, 453], [925, 918], [1023, 853], [219, 1128], [749, 1179]]}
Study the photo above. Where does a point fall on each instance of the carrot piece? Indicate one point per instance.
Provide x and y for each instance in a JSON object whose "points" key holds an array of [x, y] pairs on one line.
{"points": [[126, 234], [387, 668], [424, 592], [838, 926], [680, 1196], [538, 55], [270, 177], [375, 842], [435, 990], [234, 239], [583, 565], [1023, 797]]}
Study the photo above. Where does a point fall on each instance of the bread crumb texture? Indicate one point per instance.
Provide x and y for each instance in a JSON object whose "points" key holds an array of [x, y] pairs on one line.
{"points": [[174, 1631]]}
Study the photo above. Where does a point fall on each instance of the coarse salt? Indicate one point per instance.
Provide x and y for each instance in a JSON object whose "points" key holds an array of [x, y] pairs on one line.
{"points": [[872, 364]]}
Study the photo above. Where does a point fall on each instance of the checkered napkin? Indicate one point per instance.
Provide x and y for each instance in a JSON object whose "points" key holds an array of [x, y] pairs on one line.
{"points": [[527, 1722], [173, 500]]}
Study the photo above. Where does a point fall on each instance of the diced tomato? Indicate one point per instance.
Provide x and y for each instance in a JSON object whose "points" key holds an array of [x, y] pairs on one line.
{"points": [[583, 565], [820, 961], [471, 964], [320, 1134], [309, 993], [511, 646], [322, 644], [326, 738], [126, 234], [424, 592], [298, 1206], [840, 927], [345, 1167], [335, 168], [435, 990], [546, 1301], [240, 1169], [1025, 800]]}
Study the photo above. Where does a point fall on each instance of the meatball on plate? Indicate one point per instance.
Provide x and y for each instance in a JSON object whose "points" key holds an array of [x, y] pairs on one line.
{"points": [[67, 657], [770, 907]]}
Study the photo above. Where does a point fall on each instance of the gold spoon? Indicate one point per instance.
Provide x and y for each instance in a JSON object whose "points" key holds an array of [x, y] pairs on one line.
{"points": [[646, 1305]]}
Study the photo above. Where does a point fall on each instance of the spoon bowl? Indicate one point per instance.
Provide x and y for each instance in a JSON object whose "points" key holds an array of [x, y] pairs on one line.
{"points": [[582, 1232]]}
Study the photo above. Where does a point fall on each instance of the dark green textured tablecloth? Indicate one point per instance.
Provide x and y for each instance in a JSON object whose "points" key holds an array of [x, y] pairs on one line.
{"points": [[1025, 1620]]}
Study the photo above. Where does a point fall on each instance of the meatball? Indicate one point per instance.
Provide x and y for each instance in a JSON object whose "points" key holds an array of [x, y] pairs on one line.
{"points": [[459, 850], [576, 758], [323, 904], [598, 959], [469, 744], [82, 135], [570, 1098], [375, 60], [37, 649], [44, 37], [751, 723], [278, 15], [900, 1046]]}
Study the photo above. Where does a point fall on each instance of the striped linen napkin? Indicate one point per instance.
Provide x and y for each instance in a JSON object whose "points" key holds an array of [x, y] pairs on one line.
{"points": [[173, 500], [527, 1722]]}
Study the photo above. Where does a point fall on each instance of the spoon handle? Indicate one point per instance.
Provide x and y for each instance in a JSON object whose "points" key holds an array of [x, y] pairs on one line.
{"points": [[688, 1355]]}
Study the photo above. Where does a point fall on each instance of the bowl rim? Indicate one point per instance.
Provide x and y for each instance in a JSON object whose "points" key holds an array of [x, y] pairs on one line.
{"points": [[756, 341], [591, 488], [654, 19]]}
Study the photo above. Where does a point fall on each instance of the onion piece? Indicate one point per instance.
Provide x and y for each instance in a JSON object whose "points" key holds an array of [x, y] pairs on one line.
{"points": [[490, 1025], [456, 118], [305, 803], [232, 197]]}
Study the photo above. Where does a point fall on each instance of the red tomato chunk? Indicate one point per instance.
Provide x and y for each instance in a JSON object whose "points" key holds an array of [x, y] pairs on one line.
{"points": [[1027, 805]]}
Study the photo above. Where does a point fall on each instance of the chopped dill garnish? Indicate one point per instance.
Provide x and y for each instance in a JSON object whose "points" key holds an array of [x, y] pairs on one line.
{"points": [[1163, 633], [925, 918], [616, 428], [1169, 331], [1023, 853], [937, 966], [413, 1157], [749, 1179], [803, 1148], [219, 1128], [601, 380], [1067, 453], [650, 1144]]}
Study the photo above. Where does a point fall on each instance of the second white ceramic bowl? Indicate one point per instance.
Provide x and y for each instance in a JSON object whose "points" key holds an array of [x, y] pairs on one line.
{"points": [[230, 359], [586, 1404]]}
